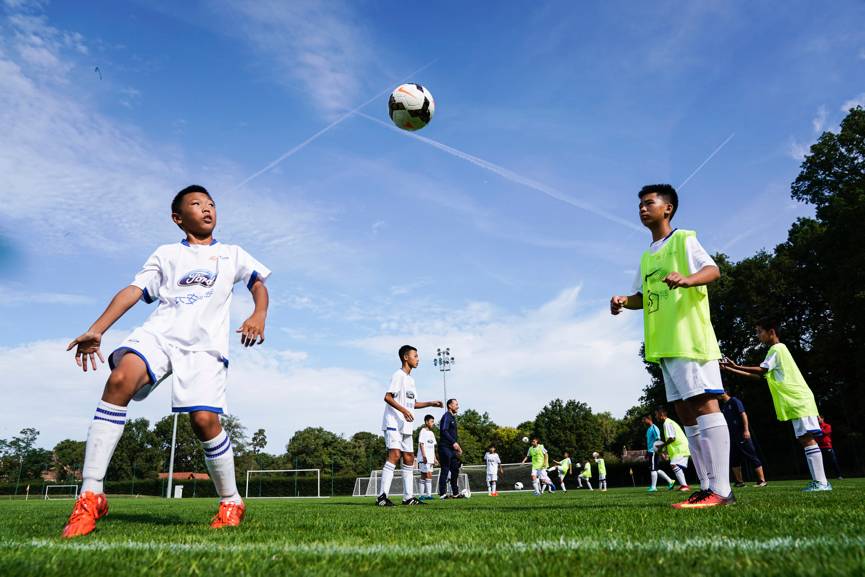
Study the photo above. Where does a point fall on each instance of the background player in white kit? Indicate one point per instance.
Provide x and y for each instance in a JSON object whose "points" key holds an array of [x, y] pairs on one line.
{"points": [[397, 427], [187, 337], [426, 442], [494, 467]]}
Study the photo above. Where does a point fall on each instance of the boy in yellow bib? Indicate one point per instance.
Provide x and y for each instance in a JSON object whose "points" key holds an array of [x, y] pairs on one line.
{"points": [[793, 400], [671, 290]]}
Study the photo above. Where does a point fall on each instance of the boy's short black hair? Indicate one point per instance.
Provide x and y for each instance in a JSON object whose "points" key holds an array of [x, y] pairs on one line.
{"points": [[665, 191], [649, 417], [491, 447], [661, 409], [404, 350], [428, 417], [768, 324], [178, 198]]}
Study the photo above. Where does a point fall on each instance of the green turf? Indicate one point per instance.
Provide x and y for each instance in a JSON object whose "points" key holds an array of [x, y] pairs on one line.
{"points": [[625, 532]]}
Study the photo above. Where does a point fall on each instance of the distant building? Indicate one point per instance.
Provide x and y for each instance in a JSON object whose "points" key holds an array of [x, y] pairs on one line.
{"points": [[185, 476]]}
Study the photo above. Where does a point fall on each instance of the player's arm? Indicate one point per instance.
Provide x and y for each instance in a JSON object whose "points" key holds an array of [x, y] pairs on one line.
{"points": [[423, 453], [424, 404], [88, 343], [252, 329], [633, 302], [756, 373], [706, 275], [388, 398], [746, 428]]}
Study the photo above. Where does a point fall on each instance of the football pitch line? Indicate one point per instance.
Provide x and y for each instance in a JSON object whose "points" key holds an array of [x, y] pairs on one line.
{"points": [[614, 545]]}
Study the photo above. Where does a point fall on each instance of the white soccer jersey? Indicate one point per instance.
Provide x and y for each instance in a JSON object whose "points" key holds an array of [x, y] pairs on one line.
{"points": [[493, 461], [403, 390], [669, 430], [193, 285], [427, 440]]}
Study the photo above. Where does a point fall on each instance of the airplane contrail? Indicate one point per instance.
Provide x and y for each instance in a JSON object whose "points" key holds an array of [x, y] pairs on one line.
{"points": [[708, 158], [506, 173], [293, 150]]}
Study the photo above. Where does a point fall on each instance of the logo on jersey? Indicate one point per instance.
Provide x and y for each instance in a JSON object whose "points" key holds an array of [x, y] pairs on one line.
{"points": [[409, 394], [205, 278]]}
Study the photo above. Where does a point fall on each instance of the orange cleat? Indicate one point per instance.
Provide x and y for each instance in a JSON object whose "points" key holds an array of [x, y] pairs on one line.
{"points": [[229, 515], [684, 488], [88, 508], [705, 499]]}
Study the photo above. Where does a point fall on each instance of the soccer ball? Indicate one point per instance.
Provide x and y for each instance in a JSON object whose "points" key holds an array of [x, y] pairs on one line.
{"points": [[518, 486], [595, 455], [466, 493], [411, 106], [525, 439]]}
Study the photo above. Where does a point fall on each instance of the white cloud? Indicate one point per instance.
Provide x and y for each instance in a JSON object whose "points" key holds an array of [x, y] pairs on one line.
{"points": [[315, 44], [14, 295], [797, 150], [512, 365], [819, 121], [853, 103]]}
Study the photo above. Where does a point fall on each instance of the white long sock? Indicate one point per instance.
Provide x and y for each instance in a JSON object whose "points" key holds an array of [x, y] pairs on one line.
{"points": [[106, 428], [493, 485], [664, 476], [562, 483], [387, 477], [428, 487], [715, 439], [654, 479], [589, 483], [815, 463], [680, 475], [692, 432], [537, 485], [219, 458], [407, 482]]}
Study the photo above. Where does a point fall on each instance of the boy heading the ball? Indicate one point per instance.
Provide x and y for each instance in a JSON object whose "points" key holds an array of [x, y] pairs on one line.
{"points": [[187, 337], [670, 288], [397, 426]]}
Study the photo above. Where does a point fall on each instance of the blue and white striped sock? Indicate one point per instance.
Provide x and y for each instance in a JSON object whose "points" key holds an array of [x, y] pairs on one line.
{"points": [[106, 428], [219, 458], [680, 475], [815, 463]]}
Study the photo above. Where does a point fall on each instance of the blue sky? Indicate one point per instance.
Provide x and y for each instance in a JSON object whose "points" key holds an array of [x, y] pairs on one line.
{"points": [[377, 239]]}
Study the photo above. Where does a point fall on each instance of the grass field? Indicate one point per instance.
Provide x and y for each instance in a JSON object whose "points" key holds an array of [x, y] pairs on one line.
{"points": [[624, 532]]}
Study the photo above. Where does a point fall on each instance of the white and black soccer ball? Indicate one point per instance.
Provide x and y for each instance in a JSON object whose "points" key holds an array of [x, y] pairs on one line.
{"points": [[411, 106], [525, 439], [518, 486], [467, 493]]}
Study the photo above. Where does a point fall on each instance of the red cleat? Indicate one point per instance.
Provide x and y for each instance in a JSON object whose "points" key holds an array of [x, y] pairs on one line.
{"points": [[704, 500], [229, 515], [685, 488], [88, 508]]}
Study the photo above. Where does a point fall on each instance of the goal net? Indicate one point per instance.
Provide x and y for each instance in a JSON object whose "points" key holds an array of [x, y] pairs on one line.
{"points": [[371, 486], [283, 483], [61, 492]]}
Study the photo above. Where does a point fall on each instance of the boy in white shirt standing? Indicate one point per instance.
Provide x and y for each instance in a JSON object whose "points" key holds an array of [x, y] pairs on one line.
{"points": [[426, 442], [187, 337], [397, 426], [494, 467]]}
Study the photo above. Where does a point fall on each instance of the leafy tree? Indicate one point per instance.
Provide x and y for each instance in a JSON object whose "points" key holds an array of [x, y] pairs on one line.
{"points": [[568, 426], [68, 458], [236, 432], [259, 441], [188, 454], [138, 454]]}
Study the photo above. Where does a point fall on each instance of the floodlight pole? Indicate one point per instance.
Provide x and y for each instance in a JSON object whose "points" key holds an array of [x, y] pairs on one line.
{"points": [[443, 360], [171, 459]]}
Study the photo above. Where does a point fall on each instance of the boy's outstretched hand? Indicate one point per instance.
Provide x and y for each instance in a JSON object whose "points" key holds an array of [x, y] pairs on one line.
{"points": [[252, 330], [88, 347], [617, 304]]}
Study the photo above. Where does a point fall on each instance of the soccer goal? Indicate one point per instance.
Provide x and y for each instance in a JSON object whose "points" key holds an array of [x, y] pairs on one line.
{"points": [[371, 486], [511, 474], [61, 492], [283, 484]]}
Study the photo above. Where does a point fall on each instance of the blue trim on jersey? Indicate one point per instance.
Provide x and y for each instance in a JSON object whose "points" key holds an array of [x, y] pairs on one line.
{"points": [[98, 418], [111, 413], [714, 391], [252, 279], [224, 361], [146, 296], [391, 429], [150, 373], [185, 242], [194, 408]]}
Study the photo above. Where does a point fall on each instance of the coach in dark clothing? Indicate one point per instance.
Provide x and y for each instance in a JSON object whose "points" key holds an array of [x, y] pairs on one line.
{"points": [[741, 445], [449, 450]]}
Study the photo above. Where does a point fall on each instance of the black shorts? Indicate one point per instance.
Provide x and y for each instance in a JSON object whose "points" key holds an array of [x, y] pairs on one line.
{"points": [[654, 461], [743, 449]]}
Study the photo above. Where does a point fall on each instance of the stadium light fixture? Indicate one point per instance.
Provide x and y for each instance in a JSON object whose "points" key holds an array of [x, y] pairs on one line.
{"points": [[444, 361]]}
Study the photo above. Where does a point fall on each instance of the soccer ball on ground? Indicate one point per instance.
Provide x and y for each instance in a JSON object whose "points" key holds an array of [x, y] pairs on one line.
{"points": [[525, 439], [466, 493], [411, 106], [518, 486]]}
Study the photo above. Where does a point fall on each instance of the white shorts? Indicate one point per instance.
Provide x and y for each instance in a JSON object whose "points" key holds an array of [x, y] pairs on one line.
{"points": [[425, 467], [686, 378], [681, 461], [492, 477], [602, 477], [396, 440], [540, 474], [805, 425], [199, 376]]}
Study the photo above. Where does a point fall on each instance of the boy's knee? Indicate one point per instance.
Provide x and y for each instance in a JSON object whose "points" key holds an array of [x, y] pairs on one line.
{"points": [[205, 424]]}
